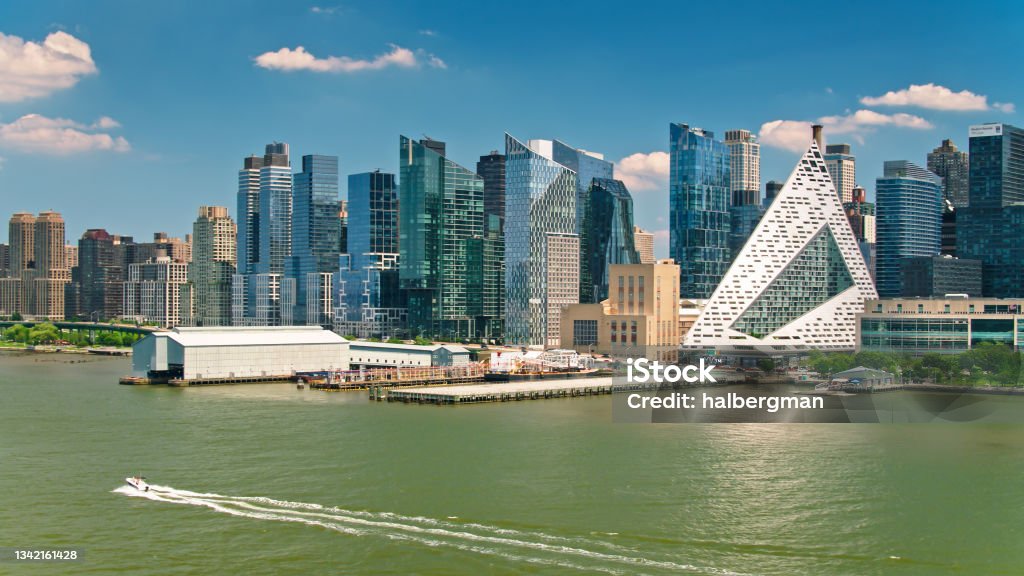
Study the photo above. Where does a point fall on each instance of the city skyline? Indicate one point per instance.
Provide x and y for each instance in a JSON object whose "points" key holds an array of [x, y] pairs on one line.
{"points": [[118, 135]]}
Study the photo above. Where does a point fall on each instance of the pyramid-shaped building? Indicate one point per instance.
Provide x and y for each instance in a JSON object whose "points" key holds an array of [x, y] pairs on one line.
{"points": [[799, 281]]}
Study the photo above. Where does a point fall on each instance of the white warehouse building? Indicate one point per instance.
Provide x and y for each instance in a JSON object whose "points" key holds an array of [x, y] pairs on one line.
{"points": [[223, 353], [363, 354]]}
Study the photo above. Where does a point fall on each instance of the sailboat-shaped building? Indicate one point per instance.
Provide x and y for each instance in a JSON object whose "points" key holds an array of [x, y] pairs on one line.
{"points": [[799, 281]]}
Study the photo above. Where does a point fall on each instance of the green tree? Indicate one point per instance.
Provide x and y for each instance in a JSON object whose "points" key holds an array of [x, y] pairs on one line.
{"points": [[421, 341], [767, 365], [394, 341], [43, 333], [17, 333]]}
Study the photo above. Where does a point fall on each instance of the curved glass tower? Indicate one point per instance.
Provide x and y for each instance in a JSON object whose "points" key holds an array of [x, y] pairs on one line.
{"points": [[541, 244]]}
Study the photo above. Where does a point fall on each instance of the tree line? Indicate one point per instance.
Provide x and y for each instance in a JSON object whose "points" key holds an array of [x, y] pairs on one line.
{"points": [[46, 333], [987, 364]]}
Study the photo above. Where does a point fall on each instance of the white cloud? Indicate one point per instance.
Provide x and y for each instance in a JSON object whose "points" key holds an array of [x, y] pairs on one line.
{"points": [[1006, 107], [326, 10], [792, 135], [288, 59], [935, 97], [795, 135], [33, 70], [643, 172], [428, 32], [33, 133]]}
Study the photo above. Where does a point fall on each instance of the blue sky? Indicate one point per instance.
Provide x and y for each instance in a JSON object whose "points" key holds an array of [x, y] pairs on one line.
{"points": [[144, 112]]}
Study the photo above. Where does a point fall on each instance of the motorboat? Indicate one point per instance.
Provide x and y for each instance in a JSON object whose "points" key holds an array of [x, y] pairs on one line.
{"points": [[138, 482]]}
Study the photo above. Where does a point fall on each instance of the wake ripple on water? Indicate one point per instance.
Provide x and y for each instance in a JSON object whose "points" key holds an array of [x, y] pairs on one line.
{"points": [[535, 547]]}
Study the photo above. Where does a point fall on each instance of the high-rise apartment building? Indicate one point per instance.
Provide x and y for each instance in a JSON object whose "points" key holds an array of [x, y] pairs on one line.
{"points": [[842, 167], [744, 185], [176, 249], [644, 242], [699, 201], [367, 297], [441, 207], [206, 299], [5, 259], [991, 227], [43, 281], [264, 239], [315, 242], [953, 166], [249, 214], [21, 235], [540, 236], [492, 169], [152, 291], [909, 223], [606, 236], [744, 161], [798, 281], [97, 284]]}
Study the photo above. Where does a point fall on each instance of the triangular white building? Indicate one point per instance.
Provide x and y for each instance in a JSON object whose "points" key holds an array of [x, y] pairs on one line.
{"points": [[798, 282]]}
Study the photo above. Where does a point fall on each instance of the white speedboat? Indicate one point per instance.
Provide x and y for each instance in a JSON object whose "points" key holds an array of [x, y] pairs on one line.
{"points": [[138, 482]]}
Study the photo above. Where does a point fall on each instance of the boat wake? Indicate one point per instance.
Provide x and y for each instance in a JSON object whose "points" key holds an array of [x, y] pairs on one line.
{"points": [[581, 553]]}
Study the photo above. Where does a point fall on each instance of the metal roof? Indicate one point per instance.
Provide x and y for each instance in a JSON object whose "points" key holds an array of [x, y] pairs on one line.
{"points": [[261, 336], [363, 344]]}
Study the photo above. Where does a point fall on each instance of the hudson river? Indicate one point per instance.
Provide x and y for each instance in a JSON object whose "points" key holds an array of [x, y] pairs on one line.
{"points": [[267, 479]]}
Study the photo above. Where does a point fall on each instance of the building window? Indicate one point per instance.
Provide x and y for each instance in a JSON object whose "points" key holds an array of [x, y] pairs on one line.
{"points": [[584, 332]]}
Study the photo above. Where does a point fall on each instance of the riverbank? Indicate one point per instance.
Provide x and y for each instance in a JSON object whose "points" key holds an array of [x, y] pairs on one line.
{"points": [[48, 349]]}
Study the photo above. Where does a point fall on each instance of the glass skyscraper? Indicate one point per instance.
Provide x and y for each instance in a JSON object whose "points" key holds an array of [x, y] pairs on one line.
{"points": [[315, 240], [368, 303], [909, 220], [264, 239], [607, 236], [275, 214], [699, 201], [492, 169], [587, 166], [441, 207], [991, 227], [541, 271]]}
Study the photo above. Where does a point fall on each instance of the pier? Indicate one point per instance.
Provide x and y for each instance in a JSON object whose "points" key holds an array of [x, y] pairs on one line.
{"points": [[506, 391], [382, 378]]}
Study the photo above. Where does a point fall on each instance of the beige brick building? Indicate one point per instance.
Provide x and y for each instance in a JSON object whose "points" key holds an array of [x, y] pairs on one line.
{"points": [[639, 318]]}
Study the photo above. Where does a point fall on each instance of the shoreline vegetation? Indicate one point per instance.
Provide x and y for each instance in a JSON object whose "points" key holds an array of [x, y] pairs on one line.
{"points": [[987, 367], [45, 337]]}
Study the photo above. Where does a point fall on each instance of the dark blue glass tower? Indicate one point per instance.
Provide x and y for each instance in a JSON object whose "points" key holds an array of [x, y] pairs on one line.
{"points": [[607, 236], [991, 227], [315, 238], [698, 209], [908, 203]]}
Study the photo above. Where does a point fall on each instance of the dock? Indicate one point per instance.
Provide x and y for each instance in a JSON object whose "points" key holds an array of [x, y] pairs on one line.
{"points": [[505, 391], [376, 378]]}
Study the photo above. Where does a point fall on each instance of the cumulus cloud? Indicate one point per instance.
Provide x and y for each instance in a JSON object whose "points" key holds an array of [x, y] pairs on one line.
{"points": [[935, 97], [33, 133], [288, 59], [643, 172], [795, 135], [428, 32], [33, 70]]}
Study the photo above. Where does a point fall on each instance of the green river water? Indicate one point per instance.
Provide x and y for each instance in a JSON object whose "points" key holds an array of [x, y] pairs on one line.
{"points": [[267, 479]]}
